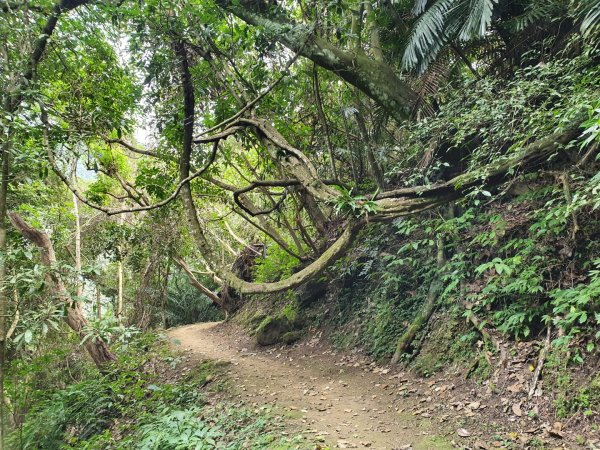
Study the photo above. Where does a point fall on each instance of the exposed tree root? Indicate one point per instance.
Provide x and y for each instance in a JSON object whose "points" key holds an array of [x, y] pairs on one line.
{"points": [[540, 363]]}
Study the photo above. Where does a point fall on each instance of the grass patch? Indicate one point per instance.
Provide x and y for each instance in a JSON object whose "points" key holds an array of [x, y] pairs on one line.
{"points": [[150, 401]]}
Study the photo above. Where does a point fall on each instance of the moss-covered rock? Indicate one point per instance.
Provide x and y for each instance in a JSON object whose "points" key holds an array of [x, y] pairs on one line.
{"points": [[272, 329], [282, 327], [291, 336]]}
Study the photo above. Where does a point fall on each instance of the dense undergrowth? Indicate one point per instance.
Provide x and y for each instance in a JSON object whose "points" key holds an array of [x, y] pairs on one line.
{"points": [[152, 401]]}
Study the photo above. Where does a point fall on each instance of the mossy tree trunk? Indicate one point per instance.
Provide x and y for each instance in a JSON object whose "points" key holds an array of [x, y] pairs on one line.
{"points": [[429, 307]]}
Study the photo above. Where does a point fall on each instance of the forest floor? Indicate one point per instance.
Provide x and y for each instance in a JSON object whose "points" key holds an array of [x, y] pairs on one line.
{"points": [[344, 401]]}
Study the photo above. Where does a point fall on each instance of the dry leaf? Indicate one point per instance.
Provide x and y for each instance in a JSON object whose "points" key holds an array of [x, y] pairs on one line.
{"points": [[462, 432], [516, 409]]}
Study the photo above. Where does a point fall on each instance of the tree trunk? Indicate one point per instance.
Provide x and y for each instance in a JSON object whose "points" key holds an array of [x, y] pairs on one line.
{"points": [[120, 279], [98, 303], [79, 284], [430, 305], [323, 119], [194, 282], [77, 246], [3, 293], [75, 319], [120, 291]]}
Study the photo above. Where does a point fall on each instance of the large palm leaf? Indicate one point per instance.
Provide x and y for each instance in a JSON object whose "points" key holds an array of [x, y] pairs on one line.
{"points": [[589, 11], [441, 21]]}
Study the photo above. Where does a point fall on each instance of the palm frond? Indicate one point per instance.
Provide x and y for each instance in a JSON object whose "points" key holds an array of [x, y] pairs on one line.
{"points": [[428, 36], [419, 7], [478, 20], [590, 11]]}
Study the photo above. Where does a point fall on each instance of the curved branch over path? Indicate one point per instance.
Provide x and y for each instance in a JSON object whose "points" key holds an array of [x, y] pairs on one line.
{"points": [[396, 204]]}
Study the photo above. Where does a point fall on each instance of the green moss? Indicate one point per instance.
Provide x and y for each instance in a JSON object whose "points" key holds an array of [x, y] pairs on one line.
{"points": [[583, 400], [206, 372], [251, 319], [291, 336], [447, 345], [437, 442], [290, 312], [281, 327], [264, 324], [428, 365]]}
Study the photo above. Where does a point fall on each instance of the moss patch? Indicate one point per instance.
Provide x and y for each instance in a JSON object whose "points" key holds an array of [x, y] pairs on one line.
{"points": [[280, 328]]}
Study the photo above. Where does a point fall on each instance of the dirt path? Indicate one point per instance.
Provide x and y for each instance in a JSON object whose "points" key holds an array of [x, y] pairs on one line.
{"points": [[346, 407]]}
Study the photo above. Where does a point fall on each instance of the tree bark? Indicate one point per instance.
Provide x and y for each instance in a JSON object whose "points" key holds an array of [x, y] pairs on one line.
{"points": [[194, 282], [3, 293], [98, 303], [120, 291], [79, 284], [75, 319], [323, 119]]}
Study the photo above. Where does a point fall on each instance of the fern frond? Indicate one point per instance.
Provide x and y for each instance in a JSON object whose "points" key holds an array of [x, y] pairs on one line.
{"points": [[427, 85], [536, 12]]}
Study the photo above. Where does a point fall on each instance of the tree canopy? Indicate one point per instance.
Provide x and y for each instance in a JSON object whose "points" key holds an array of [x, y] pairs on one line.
{"points": [[243, 146]]}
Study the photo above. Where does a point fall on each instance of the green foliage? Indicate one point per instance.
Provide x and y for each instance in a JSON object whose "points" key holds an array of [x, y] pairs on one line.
{"points": [[583, 400], [134, 407], [592, 127], [275, 265], [575, 309], [177, 430], [355, 206], [81, 410], [379, 289], [186, 305]]}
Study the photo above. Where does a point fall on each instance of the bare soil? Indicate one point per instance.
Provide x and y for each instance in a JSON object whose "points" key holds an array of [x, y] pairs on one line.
{"points": [[346, 401]]}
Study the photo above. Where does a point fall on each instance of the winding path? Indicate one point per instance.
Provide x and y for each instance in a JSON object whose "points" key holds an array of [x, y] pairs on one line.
{"points": [[345, 404]]}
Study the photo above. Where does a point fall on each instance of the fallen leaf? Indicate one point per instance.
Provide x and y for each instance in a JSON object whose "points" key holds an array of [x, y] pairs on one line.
{"points": [[474, 405], [462, 432], [516, 409]]}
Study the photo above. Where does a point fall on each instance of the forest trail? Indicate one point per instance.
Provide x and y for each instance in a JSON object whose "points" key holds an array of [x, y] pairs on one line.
{"points": [[346, 407]]}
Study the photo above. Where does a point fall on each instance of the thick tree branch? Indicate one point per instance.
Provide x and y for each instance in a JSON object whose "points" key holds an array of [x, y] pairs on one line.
{"points": [[194, 282], [409, 201], [374, 78]]}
